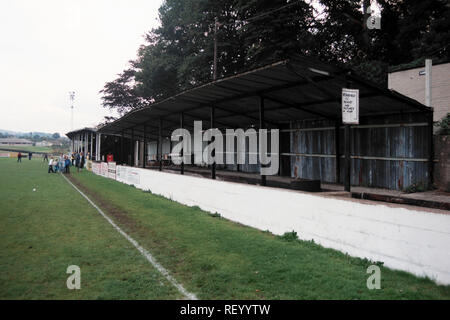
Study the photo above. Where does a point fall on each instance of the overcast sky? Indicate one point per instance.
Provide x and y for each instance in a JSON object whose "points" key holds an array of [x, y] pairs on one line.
{"points": [[51, 47]]}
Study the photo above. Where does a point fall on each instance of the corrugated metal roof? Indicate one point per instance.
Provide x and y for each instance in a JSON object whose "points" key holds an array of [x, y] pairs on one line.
{"points": [[292, 90], [74, 132]]}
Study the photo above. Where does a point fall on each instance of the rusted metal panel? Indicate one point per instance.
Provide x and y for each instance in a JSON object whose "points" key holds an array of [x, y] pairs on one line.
{"points": [[390, 154]]}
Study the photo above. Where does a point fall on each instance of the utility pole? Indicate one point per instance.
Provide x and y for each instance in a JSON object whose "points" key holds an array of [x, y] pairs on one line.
{"points": [[72, 98], [366, 15], [216, 25]]}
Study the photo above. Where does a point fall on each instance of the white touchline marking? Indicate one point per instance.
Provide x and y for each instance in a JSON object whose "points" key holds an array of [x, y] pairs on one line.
{"points": [[142, 250]]}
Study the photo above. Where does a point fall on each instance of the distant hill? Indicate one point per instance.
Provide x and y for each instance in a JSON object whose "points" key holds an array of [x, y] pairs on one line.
{"points": [[20, 134]]}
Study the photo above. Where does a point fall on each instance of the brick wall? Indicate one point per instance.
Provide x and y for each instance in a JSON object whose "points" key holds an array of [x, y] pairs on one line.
{"points": [[411, 84], [442, 167]]}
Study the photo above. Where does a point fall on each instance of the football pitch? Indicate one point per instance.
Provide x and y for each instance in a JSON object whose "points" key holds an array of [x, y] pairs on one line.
{"points": [[46, 225]]}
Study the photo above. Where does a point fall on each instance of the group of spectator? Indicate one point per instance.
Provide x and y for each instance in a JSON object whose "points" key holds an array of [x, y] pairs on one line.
{"points": [[64, 162]]}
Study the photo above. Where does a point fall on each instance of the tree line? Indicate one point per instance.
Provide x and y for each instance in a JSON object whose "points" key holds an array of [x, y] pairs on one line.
{"points": [[179, 54]]}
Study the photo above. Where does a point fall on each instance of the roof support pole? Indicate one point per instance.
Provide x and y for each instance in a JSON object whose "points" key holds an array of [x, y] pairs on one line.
{"points": [[261, 126], [95, 137], [137, 151], [97, 150], [122, 157], [337, 147], [182, 150], [100, 147], [213, 153], [160, 144], [144, 158], [132, 148], [92, 145], [431, 150]]}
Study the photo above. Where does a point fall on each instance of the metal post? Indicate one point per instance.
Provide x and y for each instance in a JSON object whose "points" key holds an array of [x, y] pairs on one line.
{"points": [[428, 81], [97, 152], [121, 149], [96, 147], [144, 159], [261, 126], [366, 15], [132, 148], [137, 150], [92, 144], [337, 147], [170, 150], [99, 147], [213, 153], [160, 144], [347, 150], [182, 150], [216, 24], [347, 158]]}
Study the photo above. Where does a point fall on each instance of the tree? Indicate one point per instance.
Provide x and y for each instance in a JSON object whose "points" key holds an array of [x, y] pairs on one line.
{"points": [[179, 54], [56, 135], [120, 94]]}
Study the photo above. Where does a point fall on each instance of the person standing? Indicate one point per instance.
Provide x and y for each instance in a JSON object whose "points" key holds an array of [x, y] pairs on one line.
{"points": [[77, 161], [67, 167], [19, 157], [45, 158], [30, 155], [82, 160], [56, 163], [61, 162], [50, 166]]}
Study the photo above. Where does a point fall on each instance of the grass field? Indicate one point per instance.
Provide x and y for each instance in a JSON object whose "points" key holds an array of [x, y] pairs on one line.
{"points": [[43, 232], [28, 148]]}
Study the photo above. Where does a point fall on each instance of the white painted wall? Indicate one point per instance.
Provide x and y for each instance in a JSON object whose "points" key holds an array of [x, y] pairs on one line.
{"points": [[404, 239]]}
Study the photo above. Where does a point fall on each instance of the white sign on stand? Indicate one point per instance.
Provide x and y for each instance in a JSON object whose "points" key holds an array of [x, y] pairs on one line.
{"points": [[350, 106]]}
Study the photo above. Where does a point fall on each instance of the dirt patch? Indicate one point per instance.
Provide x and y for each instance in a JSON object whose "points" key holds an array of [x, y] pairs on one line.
{"points": [[120, 216]]}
